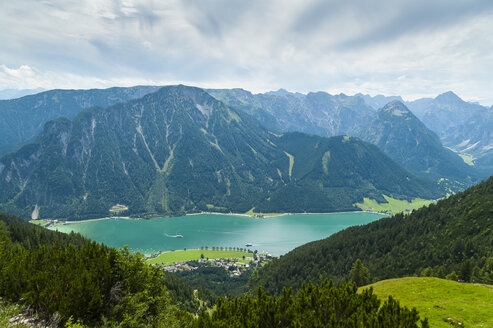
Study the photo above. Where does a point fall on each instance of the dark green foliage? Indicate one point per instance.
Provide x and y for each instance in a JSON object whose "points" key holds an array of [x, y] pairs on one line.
{"points": [[178, 150], [93, 284], [452, 238], [359, 274], [329, 174], [215, 280], [30, 236], [97, 286], [313, 306]]}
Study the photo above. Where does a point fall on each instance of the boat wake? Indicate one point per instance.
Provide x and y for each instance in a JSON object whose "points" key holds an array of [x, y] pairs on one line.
{"points": [[173, 236]]}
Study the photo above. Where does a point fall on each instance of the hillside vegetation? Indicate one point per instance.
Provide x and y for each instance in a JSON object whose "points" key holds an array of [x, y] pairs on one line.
{"points": [[453, 238], [92, 285], [443, 302]]}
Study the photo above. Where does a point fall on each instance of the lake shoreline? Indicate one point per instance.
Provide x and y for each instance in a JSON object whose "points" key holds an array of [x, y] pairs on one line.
{"points": [[274, 236], [252, 216]]}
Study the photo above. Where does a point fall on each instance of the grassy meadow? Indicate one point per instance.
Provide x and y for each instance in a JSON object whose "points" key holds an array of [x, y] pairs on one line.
{"points": [[392, 204], [445, 303], [195, 254]]}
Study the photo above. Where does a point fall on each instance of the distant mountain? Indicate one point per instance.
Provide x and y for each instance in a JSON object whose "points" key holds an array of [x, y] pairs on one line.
{"points": [[23, 118], [403, 137], [17, 93], [317, 112], [463, 126], [447, 111], [284, 92], [452, 237], [180, 150], [378, 101]]}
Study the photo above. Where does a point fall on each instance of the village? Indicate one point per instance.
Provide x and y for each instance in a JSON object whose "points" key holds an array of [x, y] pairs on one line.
{"points": [[234, 266]]}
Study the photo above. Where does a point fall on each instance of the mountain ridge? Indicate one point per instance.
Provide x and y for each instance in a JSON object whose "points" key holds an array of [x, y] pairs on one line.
{"points": [[175, 151]]}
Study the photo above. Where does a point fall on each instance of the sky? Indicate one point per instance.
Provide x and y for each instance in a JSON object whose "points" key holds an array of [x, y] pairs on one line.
{"points": [[418, 48]]}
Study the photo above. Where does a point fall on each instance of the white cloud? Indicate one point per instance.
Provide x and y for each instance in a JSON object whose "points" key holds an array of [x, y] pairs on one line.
{"points": [[414, 49]]}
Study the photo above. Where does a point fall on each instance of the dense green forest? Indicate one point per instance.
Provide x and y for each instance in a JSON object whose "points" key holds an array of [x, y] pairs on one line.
{"points": [[66, 278], [313, 306], [212, 281], [97, 285], [453, 238]]}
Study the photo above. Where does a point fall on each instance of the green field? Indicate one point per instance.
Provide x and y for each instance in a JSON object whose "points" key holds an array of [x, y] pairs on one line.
{"points": [[118, 208], [440, 300], [194, 254], [252, 212], [392, 204]]}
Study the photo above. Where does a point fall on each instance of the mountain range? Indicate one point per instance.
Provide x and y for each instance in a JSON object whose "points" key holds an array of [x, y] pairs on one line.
{"points": [[398, 132], [465, 127], [21, 119], [180, 150]]}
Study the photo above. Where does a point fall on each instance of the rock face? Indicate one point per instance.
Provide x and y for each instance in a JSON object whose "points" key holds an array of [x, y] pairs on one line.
{"points": [[180, 150], [465, 127], [317, 112], [409, 142]]}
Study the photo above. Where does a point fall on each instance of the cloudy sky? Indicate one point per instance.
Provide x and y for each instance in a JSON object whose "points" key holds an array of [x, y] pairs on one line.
{"points": [[410, 48]]}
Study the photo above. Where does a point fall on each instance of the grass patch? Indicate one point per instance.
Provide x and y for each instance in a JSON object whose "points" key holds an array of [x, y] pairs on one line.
{"points": [[8, 311], [213, 207], [252, 212], [194, 254], [392, 204], [118, 208], [443, 302], [39, 222]]}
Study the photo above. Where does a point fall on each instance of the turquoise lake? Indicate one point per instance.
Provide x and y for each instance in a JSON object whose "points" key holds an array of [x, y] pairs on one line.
{"points": [[276, 235]]}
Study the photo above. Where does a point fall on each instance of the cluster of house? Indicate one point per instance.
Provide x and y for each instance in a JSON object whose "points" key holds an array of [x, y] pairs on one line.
{"points": [[233, 266]]}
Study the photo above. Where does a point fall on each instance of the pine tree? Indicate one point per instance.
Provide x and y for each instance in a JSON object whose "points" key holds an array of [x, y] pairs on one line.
{"points": [[360, 274]]}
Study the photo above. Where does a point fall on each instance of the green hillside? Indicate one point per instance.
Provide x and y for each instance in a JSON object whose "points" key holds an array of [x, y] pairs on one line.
{"points": [[64, 278], [445, 303], [452, 238]]}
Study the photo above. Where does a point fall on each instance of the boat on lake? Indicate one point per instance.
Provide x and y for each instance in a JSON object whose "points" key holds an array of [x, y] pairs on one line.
{"points": [[248, 245]]}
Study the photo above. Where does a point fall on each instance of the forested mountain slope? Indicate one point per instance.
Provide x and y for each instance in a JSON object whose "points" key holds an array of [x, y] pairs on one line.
{"points": [[180, 150], [453, 237], [23, 118]]}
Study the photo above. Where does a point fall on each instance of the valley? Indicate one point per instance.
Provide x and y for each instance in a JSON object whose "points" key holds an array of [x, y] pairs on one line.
{"points": [[246, 164]]}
